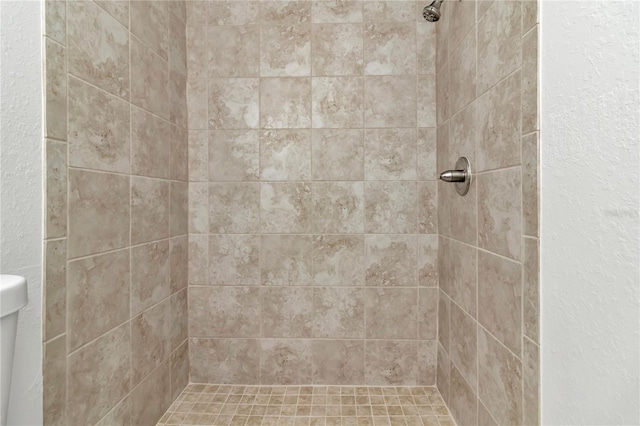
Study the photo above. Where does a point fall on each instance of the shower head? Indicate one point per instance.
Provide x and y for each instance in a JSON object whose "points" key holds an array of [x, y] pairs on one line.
{"points": [[432, 12]]}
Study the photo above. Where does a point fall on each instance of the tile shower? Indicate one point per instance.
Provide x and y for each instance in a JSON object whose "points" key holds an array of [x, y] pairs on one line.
{"points": [[244, 193]]}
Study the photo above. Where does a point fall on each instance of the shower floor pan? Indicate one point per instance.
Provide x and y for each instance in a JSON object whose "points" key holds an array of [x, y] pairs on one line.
{"points": [[201, 404]]}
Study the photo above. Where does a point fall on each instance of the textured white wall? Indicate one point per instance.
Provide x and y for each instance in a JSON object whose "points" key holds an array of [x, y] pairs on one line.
{"points": [[21, 192], [590, 225]]}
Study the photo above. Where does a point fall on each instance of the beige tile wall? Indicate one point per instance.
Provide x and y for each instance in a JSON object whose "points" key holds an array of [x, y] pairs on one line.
{"points": [[487, 91], [312, 195], [115, 329]]}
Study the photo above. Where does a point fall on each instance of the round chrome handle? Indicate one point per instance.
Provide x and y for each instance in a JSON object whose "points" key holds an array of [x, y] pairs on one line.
{"points": [[461, 176]]}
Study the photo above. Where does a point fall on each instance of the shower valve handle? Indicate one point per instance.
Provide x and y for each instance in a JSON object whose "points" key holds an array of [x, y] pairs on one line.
{"points": [[461, 176]]}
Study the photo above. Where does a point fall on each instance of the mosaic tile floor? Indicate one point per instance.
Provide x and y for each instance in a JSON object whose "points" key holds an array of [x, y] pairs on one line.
{"points": [[307, 405]]}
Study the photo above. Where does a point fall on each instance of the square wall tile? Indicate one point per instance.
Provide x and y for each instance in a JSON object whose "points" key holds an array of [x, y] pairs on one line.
{"points": [[285, 155], [391, 363], [428, 270], [338, 207], [390, 154], [285, 50], [150, 22], [224, 312], [391, 260], [286, 362], [390, 101], [149, 79], [338, 361], [234, 260], [225, 360], [150, 145], [391, 313], [234, 207], [285, 103], [338, 312], [99, 204], [150, 280], [55, 82], [233, 155], [285, 207], [55, 189], [234, 103], [389, 48], [391, 207], [234, 51], [337, 154], [149, 209], [337, 102], [150, 340], [336, 48], [286, 260], [286, 311], [338, 260], [55, 290]]}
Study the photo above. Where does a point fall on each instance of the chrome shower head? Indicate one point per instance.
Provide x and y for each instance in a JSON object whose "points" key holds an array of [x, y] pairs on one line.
{"points": [[432, 12]]}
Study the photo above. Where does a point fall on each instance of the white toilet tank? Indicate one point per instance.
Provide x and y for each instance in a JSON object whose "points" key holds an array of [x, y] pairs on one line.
{"points": [[13, 297]]}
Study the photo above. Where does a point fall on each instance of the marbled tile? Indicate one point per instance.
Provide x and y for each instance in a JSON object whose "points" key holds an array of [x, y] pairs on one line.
{"points": [[338, 312], [462, 74], [98, 48], [391, 363], [55, 82], [427, 158], [427, 362], [234, 51], [285, 155], [179, 154], [531, 383], [338, 207], [286, 311], [530, 185], [197, 107], [285, 207], [484, 417], [499, 120], [150, 145], [234, 207], [337, 154], [179, 370], [178, 99], [119, 9], [177, 50], [389, 11], [97, 295], [98, 376], [98, 129], [338, 361], [390, 154], [198, 156], [198, 259], [391, 207], [54, 381], [55, 189], [442, 37], [391, 313], [442, 94], [426, 101], [285, 12], [286, 362], [149, 79], [390, 48], [499, 43], [55, 14], [531, 289], [463, 402], [149, 275], [225, 361], [428, 260], [286, 260], [464, 345], [338, 260], [499, 212], [444, 321], [233, 155], [233, 13], [426, 48], [150, 340], [285, 50], [391, 260], [178, 263], [499, 379], [285, 102], [457, 272], [463, 19], [55, 290], [198, 208], [530, 120], [224, 312], [337, 102], [457, 216], [461, 138], [179, 319], [233, 103], [152, 397], [443, 370], [150, 23], [337, 12], [197, 42], [149, 209], [427, 207], [234, 260], [337, 49], [500, 298], [428, 313], [390, 101], [99, 204], [178, 209], [529, 15]]}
